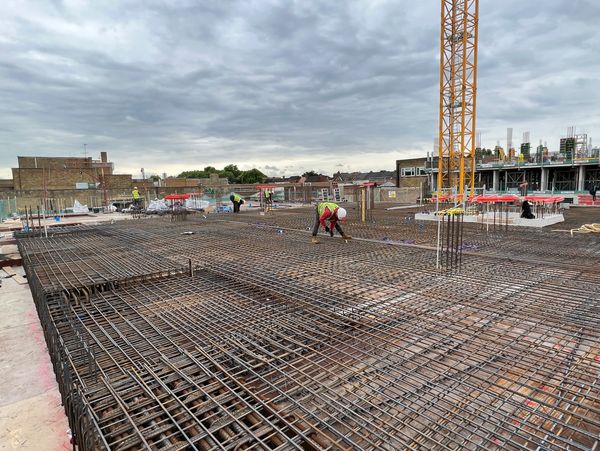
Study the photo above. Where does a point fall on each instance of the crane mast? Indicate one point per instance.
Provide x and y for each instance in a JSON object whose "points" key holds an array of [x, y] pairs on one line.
{"points": [[458, 90]]}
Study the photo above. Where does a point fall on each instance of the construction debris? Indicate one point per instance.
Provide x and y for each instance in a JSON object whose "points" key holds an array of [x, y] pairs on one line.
{"points": [[78, 208], [587, 228]]}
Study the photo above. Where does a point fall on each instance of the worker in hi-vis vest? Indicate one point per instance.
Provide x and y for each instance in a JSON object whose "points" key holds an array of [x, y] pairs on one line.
{"points": [[136, 196], [332, 212], [237, 200], [268, 197]]}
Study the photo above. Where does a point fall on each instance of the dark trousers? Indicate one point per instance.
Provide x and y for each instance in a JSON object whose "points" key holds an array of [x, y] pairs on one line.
{"points": [[338, 227], [236, 206]]}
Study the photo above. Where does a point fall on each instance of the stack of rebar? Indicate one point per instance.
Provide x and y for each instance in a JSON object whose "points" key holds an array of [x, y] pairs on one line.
{"points": [[274, 343]]}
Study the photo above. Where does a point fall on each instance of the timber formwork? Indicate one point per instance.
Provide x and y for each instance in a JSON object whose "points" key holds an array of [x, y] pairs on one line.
{"points": [[268, 342]]}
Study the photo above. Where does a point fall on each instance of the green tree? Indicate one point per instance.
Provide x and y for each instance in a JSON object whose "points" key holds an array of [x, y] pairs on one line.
{"points": [[199, 174], [154, 178], [233, 169], [252, 176], [309, 174], [226, 174], [195, 174], [231, 172]]}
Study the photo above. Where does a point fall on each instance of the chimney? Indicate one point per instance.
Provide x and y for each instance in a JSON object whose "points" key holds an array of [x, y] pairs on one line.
{"points": [[103, 157]]}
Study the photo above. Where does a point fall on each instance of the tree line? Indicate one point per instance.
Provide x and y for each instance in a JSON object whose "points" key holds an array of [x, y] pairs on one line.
{"points": [[231, 172]]}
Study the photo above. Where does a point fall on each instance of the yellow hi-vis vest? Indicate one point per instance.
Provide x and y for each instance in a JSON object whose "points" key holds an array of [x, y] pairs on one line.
{"points": [[236, 197], [136, 194], [323, 205]]}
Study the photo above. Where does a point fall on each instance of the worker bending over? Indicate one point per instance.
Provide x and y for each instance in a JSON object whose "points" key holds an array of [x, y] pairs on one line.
{"points": [[332, 212], [526, 210], [237, 201]]}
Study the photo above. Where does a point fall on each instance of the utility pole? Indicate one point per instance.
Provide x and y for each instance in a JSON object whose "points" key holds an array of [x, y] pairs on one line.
{"points": [[104, 191]]}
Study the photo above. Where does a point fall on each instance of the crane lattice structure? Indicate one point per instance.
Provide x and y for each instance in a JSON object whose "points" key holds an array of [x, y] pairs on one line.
{"points": [[458, 88]]}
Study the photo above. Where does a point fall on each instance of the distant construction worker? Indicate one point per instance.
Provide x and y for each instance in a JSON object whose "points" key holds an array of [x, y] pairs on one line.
{"points": [[237, 201], [136, 197], [332, 212], [593, 191], [268, 197], [526, 210]]}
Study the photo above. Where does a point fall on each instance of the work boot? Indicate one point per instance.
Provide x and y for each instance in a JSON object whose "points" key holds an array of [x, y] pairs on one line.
{"points": [[346, 237], [314, 240]]}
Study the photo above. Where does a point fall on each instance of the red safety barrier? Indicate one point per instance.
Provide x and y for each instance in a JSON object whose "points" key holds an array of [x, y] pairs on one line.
{"points": [[177, 196], [545, 199], [496, 198]]}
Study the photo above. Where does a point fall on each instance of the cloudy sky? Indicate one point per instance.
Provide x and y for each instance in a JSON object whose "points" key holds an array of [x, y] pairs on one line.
{"points": [[282, 85]]}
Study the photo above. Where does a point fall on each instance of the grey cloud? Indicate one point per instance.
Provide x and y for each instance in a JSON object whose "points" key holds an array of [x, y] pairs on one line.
{"points": [[279, 84]]}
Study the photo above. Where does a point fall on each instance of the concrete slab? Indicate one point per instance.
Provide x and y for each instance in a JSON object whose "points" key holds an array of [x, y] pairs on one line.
{"points": [[17, 306], [16, 224], [31, 414], [8, 249], [514, 219], [35, 423]]}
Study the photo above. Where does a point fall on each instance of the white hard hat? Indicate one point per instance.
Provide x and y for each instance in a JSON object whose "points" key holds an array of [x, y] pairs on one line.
{"points": [[341, 214], [135, 187]]}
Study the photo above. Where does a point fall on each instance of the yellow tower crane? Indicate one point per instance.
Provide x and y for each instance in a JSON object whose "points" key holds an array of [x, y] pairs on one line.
{"points": [[458, 89]]}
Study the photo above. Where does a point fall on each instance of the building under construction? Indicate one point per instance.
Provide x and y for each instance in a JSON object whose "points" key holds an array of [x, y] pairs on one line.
{"points": [[234, 332], [565, 172]]}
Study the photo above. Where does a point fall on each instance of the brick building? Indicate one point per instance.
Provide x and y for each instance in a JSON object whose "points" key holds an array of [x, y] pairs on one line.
{"points": [[410, 173], [62, 180]]}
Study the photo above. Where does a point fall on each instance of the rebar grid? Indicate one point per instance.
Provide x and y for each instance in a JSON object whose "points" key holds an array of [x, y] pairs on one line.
{"points": [[400, 226], [278, 344], [75, 262]]}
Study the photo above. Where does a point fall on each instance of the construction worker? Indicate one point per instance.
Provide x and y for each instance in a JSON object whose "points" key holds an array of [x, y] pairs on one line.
{"points": [[136, 197], [526, 210], [237, 201], [332, 212]]}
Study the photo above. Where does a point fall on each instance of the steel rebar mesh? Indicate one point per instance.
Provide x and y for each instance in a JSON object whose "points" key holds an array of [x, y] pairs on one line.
{"points": [[278, 344], [399, 226]]}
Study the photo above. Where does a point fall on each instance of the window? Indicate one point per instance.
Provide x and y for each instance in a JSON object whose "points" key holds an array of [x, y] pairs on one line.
{"points": [[407, 172], [421, 170]]}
